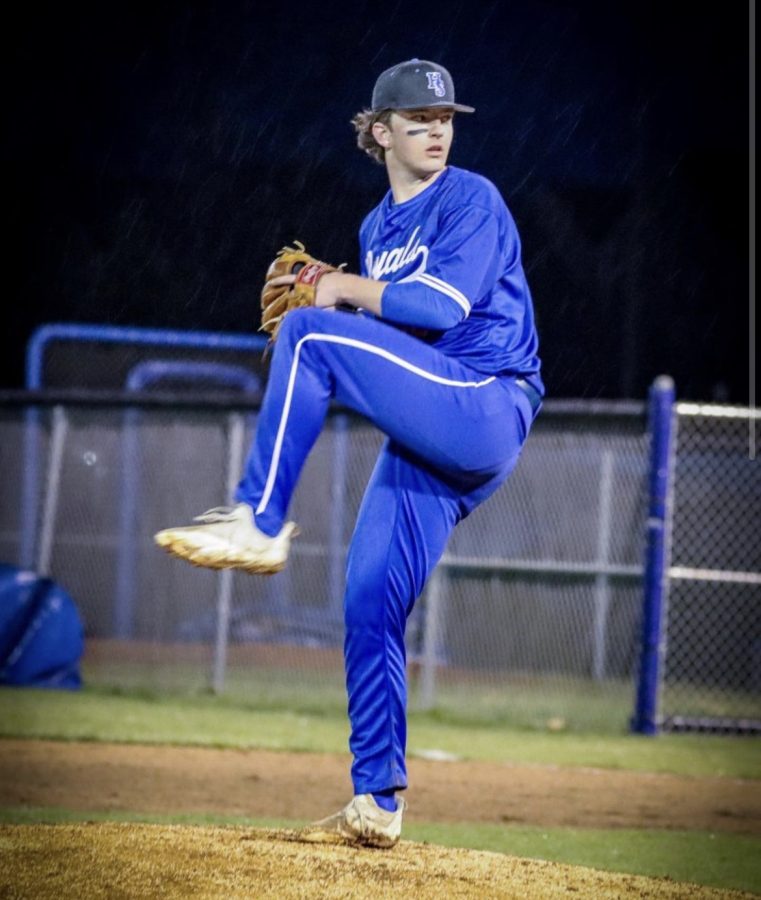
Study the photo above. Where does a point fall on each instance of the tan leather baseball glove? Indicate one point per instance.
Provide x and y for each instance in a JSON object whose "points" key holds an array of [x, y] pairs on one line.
{"points": [[279, 299]]}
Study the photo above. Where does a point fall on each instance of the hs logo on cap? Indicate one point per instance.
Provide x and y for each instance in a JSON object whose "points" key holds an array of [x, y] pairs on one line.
{"points": [[436, 84]]}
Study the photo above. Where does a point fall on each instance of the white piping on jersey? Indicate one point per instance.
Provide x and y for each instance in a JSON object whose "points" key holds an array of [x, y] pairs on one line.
{"points": [[359, 345], [444, 287]]}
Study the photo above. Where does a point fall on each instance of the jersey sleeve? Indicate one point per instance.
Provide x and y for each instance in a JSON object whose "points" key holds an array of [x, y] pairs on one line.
{"points": [[462, 264]]}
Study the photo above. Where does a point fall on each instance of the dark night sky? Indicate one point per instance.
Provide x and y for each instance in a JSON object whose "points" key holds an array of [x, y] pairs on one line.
{"points": [[157, 156]]}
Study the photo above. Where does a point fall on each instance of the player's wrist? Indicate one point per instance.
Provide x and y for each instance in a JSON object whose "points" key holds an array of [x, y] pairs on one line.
{"points": [[328, 289], [355, 290]]}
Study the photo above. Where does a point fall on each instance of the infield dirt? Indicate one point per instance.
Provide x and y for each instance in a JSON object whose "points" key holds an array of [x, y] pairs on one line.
{"points": [[115, 860], [305, 786]]}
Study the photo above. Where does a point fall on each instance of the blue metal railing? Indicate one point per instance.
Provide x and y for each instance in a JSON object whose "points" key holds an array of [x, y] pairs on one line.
{"points": [[34, 381], [159, 337]]}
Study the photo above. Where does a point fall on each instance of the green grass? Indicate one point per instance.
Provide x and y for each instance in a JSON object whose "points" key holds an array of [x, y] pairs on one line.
{"points": [[312, 681], [717, 860], [205, 720], [524, 701]]}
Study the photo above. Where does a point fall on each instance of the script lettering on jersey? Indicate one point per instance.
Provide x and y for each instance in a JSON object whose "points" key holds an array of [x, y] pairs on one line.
{"points": [[392, 260]]}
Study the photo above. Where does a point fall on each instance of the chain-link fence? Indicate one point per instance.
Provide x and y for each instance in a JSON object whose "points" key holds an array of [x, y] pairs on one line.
{"points": [[531, 618], [712, 672]]}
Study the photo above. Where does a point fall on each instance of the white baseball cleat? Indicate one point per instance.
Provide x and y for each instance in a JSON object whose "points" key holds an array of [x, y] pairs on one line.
{"points": [[227, 538], [361, 821]]}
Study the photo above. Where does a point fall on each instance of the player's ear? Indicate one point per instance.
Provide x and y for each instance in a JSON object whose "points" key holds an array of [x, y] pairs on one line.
{"points": [[381, 133]]}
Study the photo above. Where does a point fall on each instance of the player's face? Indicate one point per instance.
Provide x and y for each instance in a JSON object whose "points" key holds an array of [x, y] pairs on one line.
{"points": [[419, 140]]}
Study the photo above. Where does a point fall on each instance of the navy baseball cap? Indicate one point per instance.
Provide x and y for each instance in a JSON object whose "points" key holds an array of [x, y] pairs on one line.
{"points": [[415, 84]]}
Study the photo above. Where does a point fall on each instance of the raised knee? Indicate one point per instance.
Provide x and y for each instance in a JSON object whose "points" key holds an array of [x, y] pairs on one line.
{"points": [[299, 322]]}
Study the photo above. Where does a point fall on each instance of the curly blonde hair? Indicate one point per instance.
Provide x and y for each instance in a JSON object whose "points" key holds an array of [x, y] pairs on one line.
{"points": [[363, 124]]}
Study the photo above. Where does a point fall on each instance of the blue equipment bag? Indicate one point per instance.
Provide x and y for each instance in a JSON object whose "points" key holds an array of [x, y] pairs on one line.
{"points": [[41, 633]]}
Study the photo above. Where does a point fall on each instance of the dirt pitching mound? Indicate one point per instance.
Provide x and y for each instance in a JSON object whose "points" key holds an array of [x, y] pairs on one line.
{"points": [[126, 860]]}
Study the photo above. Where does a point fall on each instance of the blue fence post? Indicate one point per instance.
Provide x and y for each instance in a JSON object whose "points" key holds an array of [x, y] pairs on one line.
{"points": [[660, 488], [30, 489]]}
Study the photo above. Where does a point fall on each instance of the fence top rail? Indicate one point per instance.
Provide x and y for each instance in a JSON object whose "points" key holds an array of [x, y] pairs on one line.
{"points": [[716, 411], [219, 398], [628, 409]]}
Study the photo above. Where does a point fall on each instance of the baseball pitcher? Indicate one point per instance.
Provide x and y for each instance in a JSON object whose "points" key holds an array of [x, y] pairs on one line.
{"points": [[435, 343]]}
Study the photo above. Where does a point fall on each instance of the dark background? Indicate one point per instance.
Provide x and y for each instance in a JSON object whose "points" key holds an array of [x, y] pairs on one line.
{"points": [[156, 156]]}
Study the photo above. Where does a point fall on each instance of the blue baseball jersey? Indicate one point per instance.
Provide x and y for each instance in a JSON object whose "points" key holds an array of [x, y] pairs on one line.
{"points": [[453, 257]]}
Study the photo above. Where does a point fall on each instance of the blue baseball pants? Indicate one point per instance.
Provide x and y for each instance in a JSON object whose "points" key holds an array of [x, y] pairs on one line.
{"points": [[454, 435]]}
